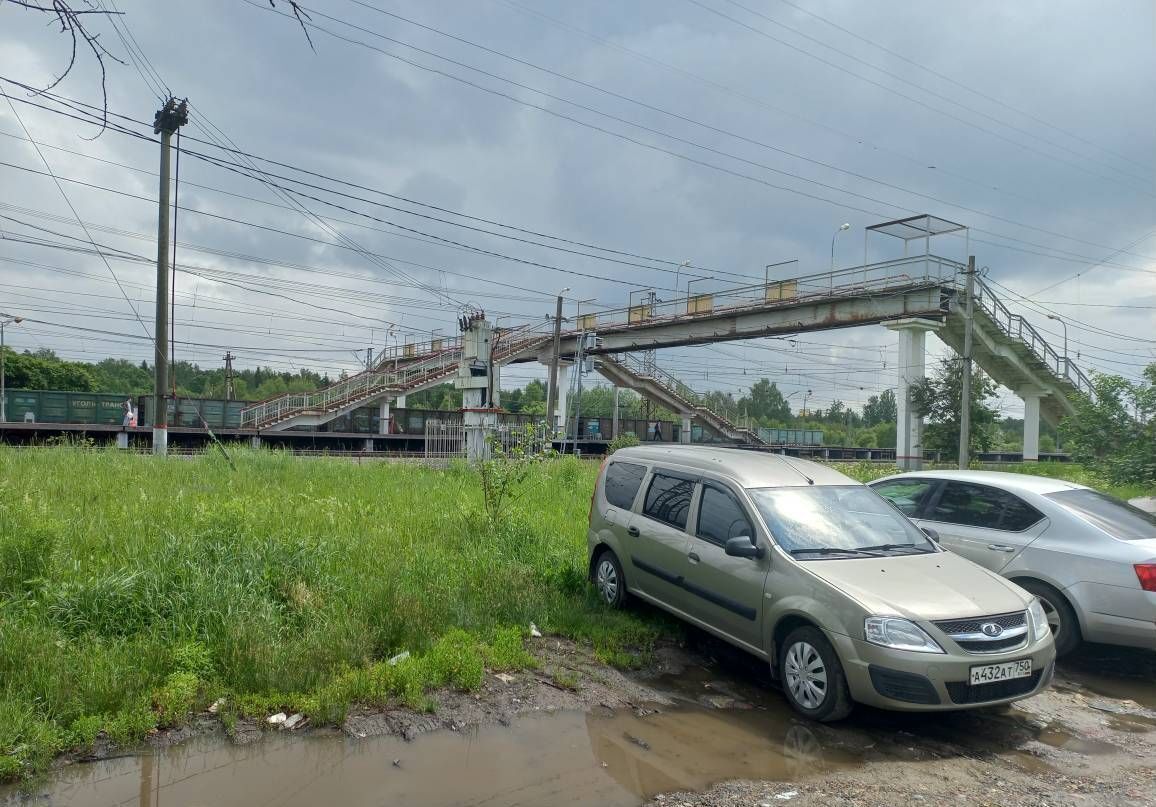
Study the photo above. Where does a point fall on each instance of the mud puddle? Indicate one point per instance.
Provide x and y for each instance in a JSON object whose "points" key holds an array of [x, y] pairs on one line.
{"points": [[1120, 673], [598, 757]]}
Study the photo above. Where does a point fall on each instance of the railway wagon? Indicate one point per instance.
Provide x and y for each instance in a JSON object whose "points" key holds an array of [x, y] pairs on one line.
{"points": [[52, 406], [791, 437], [187, 412]]}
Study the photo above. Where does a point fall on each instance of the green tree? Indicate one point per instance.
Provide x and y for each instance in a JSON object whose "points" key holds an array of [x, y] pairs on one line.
{"points": [[766, 404], [1114, 431], [880, 409], [938, 398], [44, 370]]}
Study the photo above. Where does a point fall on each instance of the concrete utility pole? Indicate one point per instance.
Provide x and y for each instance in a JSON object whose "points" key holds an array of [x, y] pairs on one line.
{"points": [[229, 393], [5, 319], [965, 396], [552, 387], [168, 119]]}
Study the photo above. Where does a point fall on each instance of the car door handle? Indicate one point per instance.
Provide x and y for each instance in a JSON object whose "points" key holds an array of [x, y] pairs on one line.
{"points": [[1001, 548], [694, 558], [633, 532]]}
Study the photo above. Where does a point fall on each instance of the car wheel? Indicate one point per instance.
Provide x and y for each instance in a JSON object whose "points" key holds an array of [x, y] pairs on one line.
{"points": [[609, 580], [812, 676], [1061, 618]]}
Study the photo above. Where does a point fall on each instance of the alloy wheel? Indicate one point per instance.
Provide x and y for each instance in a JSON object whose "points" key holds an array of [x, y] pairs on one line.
{"points": [[607, 580], [806, 675]]}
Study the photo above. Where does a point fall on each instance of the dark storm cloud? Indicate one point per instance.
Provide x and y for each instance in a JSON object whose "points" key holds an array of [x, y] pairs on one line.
{"points": [[362, 115]]}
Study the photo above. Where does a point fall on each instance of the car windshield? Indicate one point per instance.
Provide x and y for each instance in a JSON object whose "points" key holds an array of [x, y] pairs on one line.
{"points": [[1117, 518], [815, 522]]}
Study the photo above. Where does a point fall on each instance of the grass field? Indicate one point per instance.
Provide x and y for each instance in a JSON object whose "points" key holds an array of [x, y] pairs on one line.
{"points": [[133, 591]]}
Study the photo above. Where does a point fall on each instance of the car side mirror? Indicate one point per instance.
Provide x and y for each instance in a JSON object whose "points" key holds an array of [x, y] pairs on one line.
{"points": [[930, 533], [744, 547]]}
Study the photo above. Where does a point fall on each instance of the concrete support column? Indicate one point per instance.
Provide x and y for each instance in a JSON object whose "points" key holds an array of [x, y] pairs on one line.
{"points": [[383, 417], [684, 433], [560, 425], [368, 445], [399, 402], [255, 441], [122, 439], [1031, 398], [912, 369]]}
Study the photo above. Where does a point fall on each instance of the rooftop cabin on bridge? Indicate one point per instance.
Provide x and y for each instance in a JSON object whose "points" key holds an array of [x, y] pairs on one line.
{"points": [[911, 294]]}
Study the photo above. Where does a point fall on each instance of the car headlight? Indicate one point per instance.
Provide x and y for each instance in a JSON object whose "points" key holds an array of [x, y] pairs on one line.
{"points": [[1039, 620], [900, 634]]}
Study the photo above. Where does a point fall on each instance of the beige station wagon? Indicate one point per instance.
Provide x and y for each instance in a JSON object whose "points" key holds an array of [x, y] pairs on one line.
{"points": [[802, 566]]}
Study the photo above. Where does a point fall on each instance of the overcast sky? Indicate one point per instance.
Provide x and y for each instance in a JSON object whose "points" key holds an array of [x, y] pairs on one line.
{"points": [[727, 134]]}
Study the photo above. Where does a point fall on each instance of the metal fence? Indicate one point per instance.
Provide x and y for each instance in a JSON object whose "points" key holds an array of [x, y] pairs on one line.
{"points": [[447, 440]]}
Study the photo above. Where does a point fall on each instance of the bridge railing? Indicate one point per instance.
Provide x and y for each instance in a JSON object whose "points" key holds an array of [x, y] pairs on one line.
{"points": [[853, 281], [383, 378], [1015, 326]]}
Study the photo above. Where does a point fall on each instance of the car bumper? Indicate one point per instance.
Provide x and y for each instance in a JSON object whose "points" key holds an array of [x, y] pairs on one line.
{"points": [[1115, 615], [921, 682]]}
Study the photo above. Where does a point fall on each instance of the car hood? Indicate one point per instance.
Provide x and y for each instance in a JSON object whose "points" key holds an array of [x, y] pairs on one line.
{"points": [[922, 587]]}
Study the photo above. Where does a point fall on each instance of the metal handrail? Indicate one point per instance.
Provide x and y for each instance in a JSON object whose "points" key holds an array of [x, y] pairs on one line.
{"points": [[370, 383], [1017, 327]]}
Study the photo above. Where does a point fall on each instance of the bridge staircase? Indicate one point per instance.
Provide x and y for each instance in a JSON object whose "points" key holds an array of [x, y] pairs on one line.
{"points": [[627, 370], [410, 369]]}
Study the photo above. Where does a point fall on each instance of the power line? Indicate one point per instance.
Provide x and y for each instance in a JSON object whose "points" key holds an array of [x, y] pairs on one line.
{"points": [[912, 99], [987, 97]]}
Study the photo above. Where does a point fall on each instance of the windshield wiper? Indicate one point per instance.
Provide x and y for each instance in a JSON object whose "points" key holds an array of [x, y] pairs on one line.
{"points": [[887, 547], [831, 550]]}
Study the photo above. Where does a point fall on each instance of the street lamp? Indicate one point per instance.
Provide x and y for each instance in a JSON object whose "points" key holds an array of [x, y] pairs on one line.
{"points": [[805, 397], [677, 272], [5, 319], [844, 226], [1057, 319]]}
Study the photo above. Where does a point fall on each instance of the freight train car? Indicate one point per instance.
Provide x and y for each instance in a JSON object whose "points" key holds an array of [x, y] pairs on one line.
{"points": [[188, 412], [51, 406]]}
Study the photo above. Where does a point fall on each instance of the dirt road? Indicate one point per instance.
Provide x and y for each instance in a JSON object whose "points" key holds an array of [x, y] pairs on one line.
{"points": [[701, 727]]}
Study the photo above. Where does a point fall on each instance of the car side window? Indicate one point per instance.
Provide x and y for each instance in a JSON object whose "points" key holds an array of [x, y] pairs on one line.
{"points": [[668, 499], [909, 495], [980, 506], [721, 517], [623, 479], [1018, 515]]}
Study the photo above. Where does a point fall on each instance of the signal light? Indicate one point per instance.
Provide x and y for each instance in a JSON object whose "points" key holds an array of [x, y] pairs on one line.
{"points": [[1147, 574]]}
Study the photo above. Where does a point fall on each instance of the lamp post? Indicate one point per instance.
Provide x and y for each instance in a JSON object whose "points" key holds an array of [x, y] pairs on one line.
{"points": [[844, 226], [805, 397], [678, 272], [1057, 319], [5, 319]]}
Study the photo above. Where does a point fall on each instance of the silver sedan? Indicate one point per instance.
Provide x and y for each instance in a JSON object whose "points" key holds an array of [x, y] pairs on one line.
{"points": [[1090, 558]]}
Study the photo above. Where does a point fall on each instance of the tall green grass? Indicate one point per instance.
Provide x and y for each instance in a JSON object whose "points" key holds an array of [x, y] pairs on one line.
{"points": [[133, 590]]}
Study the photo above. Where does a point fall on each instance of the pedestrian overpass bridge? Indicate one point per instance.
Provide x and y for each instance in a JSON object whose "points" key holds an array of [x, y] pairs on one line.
{"points": [[913, 296]]}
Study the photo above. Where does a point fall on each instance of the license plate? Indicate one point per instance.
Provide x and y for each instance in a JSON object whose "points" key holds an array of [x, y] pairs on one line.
{"points": [[991, 673]]}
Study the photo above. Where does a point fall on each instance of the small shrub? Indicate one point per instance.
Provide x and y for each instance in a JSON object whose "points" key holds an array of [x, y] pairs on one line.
{"points": [[129, 726], [507, 651], [194, 658], [174, 701], [455, 660], [624, 440], [83, 730]]}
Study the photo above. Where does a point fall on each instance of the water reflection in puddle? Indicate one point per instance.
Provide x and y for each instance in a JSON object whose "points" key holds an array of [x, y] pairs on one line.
{"points": [[567, 758]]}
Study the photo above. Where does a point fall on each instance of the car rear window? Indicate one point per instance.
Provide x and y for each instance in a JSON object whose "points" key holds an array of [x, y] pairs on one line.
{"points": [[668, 499], [622, 482], [1115, 517]]}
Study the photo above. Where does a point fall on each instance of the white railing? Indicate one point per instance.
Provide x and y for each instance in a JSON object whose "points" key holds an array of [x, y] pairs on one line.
{"points": [[444, 439], [369, 383], [1016, 327]]}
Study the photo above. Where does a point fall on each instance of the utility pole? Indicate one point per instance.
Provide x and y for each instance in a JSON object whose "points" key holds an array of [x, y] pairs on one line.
{"points": [[965, 396], [5, 319], [229, 393], [369, 358], [552, 387], [168, 119]]}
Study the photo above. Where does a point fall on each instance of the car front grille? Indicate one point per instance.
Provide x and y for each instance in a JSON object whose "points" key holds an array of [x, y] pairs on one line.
{"points": [[969, 634], [1005, 621], [963, 692]]}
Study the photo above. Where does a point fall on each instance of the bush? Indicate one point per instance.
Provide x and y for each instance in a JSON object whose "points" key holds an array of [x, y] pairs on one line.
{"points": [[624, 440]]}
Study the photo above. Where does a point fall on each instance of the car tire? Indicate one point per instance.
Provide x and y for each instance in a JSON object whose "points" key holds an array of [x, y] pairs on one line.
{"points": [[1066, 626], [609, 579], [812, 676]]}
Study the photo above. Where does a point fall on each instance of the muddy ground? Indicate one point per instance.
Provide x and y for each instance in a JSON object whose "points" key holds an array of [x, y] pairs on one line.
{"points": [[700, 726]]}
